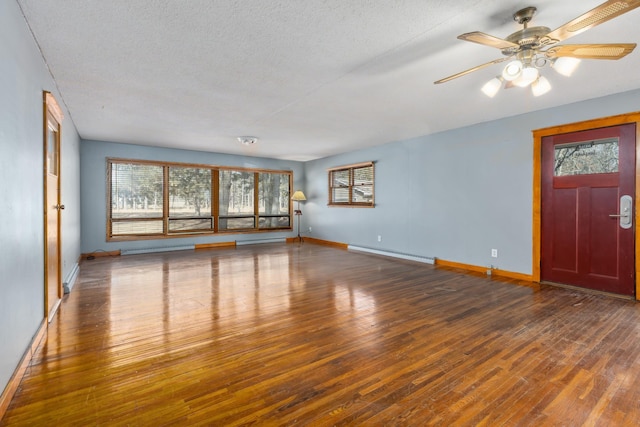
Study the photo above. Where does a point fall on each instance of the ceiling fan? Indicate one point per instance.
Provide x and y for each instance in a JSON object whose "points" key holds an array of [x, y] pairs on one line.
{"points": [[532, 48]]}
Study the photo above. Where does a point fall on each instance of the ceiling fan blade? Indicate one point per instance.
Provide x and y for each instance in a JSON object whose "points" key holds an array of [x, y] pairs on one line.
{"points": [[487, 40], [592, 51], [606, 11], [471, 70]]}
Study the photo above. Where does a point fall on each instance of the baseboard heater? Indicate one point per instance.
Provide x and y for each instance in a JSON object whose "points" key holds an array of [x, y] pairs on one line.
{"points": [[424, 259], [71, 279], [160, 249], [259, 241]]}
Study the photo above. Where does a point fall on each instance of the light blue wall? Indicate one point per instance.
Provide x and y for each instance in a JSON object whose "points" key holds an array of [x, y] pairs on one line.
{"points": [[94, 188], [23, 77], [454, 195]]}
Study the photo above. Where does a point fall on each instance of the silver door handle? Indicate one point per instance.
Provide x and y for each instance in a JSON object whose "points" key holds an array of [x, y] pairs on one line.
{"points": [[626, 207]]}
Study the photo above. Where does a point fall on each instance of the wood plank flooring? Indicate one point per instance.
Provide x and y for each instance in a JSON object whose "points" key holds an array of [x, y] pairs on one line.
{"points": [[310, 335]]}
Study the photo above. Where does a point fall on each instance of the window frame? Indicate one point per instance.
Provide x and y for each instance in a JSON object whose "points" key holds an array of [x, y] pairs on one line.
{"points": [[214, 213], [351, 185]]}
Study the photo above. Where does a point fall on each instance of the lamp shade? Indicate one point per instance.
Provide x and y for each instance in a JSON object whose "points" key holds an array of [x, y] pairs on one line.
{"points": [[492, 87], [298, 196], [526, 77], [540, 86], [512, 71], [565, 65]]}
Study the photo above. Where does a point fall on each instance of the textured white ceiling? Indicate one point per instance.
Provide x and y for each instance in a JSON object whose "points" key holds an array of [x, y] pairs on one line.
{"points": [[310, 78]]}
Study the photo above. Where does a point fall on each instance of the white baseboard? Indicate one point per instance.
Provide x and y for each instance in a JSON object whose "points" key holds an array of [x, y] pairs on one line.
{"points": [[426, 260], [71, 279], [159, 249]]}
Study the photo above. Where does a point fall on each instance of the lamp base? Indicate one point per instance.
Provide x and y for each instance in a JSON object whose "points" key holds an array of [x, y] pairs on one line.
{"points": [[298, 213]]}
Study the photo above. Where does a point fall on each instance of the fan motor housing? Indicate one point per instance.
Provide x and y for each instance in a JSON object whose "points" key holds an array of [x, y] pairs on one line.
{"points": [[526, 38]]}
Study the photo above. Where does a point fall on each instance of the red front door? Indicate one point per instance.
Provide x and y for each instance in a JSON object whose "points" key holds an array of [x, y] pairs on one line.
{"points": [[585, 241]]}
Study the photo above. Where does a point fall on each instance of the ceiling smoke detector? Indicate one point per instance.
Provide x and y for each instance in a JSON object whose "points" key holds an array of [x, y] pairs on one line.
{"points": [[247, 140]]}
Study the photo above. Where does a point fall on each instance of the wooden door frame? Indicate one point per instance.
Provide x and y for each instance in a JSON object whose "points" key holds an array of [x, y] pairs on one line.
{"points": [[537, 182], [51, 107]]}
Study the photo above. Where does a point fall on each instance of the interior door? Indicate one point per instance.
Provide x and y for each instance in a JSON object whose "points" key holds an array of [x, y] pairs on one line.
{"points": [[588, 185], [53, 279]]}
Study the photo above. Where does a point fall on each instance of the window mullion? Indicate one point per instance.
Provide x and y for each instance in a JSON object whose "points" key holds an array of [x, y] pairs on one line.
{"points": [[351, 175], [165, 201], [256, 199], [215, 191], [110, 199], [329, 196]]}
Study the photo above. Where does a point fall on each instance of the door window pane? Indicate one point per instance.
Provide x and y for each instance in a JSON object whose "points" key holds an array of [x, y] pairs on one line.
{"points": [[588, 157], [52, 149]]}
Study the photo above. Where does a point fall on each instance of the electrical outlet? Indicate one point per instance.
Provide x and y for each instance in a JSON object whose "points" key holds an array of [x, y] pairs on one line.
{"points": [[494, 253], [379, 238], [309, 229]]}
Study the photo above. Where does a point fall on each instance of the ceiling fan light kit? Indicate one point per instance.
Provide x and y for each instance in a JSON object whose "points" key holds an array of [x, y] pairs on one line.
{"points": [[533, 48], [523, 75]]}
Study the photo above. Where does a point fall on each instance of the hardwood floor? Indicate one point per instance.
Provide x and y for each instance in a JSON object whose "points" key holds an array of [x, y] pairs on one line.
{"points": [[312, 335]]}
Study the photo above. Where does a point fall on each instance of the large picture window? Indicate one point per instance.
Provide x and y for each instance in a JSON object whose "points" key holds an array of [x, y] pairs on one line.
{"points": [[352, 185], [152, 199]]}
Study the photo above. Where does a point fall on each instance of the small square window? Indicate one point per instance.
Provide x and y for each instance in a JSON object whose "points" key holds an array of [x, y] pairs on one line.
{"points": [[352, 185]]}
